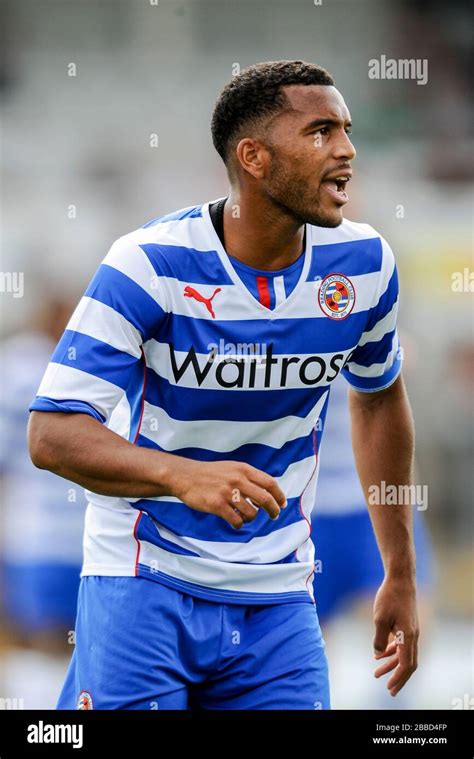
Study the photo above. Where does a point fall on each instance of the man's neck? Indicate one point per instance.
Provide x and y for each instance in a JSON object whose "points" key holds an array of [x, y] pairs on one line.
{"points": [[260, 235]]}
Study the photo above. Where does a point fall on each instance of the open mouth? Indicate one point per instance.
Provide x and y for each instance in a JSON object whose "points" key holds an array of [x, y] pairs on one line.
{"points": [[336, 187]]}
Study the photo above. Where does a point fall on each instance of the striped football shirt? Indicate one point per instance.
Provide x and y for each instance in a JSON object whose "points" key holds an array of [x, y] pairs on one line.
{"points": [[172, 350]]}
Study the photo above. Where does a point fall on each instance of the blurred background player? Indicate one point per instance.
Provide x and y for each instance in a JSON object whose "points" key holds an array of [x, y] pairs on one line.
{"points": [[41, 520], [349, 569]]}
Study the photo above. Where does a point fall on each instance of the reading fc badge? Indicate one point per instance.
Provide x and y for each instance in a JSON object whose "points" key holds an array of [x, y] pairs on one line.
{"points": [[84, 702], [336, 296]]}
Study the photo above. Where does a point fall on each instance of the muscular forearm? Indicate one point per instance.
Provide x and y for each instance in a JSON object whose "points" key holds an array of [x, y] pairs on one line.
{"points": [[383, 441], [79, 448]]}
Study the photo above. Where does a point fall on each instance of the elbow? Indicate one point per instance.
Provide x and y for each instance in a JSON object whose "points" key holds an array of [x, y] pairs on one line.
{"points": [[40, 445]]}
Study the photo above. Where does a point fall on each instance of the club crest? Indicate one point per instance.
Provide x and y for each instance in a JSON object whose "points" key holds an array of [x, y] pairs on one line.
{"points": [[336, 296]]}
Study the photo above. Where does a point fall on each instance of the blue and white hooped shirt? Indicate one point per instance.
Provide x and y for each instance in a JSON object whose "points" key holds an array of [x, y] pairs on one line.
{"points": [[170, 349]]}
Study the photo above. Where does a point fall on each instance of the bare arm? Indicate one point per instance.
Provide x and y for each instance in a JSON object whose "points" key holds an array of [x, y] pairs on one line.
{"points": [[383, 442], [81, 449]]}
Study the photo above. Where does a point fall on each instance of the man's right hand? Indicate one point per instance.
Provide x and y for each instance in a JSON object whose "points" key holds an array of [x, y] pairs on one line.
{"points": [[222, 487]]}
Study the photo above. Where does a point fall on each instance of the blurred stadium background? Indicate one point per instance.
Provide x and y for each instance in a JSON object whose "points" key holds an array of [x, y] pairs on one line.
{"points": [[87, 157]]}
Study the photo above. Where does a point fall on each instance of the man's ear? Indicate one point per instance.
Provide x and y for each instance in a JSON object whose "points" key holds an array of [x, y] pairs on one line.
{"points": [[252, 157]]}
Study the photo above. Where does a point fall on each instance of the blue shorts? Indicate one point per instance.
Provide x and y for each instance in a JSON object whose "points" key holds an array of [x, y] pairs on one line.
{"points": [[350, 560], [39, 596], [142, 645]]}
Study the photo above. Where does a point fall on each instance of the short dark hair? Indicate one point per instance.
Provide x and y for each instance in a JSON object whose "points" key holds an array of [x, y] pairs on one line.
{"points": [[255, 93]]}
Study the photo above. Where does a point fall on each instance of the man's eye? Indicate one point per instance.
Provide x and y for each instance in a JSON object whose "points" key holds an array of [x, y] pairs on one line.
{"points": [[322, 130], [348, 130]]}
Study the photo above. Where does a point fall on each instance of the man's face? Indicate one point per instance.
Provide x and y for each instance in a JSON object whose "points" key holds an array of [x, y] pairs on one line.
{"points": [[309, 155]]}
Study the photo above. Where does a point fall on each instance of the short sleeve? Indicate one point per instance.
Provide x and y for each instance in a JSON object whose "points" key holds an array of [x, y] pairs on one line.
{"points": [[101, 347], [376, 361]]}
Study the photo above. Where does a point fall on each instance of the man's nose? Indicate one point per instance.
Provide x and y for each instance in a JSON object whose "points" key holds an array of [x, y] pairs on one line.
{"points": [[344, 149]]}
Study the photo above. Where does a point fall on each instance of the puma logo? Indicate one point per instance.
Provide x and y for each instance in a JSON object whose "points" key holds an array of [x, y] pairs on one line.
{"points": [[190, 292]]}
